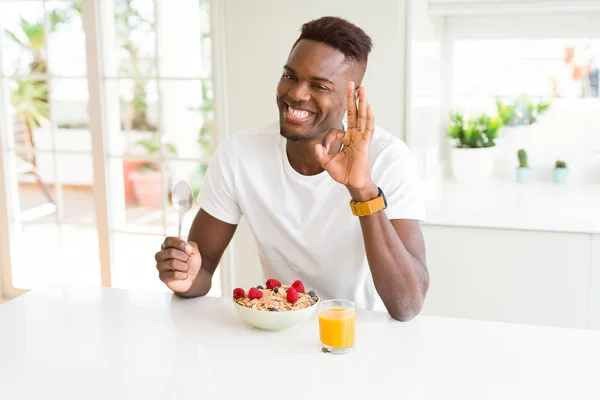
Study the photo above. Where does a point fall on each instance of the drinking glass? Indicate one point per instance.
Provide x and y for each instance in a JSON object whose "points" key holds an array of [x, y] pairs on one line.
{"points": [[337, 326]]}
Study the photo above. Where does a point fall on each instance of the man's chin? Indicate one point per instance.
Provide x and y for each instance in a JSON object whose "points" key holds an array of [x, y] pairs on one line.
{"points": [[294, 137], [292, 134]]}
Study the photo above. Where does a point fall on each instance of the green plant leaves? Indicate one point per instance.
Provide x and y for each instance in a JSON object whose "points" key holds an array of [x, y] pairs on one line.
{"points": [[561, 164], [476, 132], [522, 155], [522, 110], [30, 99], [151, 146]]}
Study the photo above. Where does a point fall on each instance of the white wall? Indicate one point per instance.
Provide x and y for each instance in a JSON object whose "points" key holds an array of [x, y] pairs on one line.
{"points": [[260, 34], [524, 277], [594, 309]]}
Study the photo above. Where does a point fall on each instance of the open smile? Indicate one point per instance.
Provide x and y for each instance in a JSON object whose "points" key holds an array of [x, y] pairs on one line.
{"points": [[297, 116]]}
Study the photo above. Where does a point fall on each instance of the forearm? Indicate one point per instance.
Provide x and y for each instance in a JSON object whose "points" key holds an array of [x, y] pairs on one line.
{"points": [[399, 277]]}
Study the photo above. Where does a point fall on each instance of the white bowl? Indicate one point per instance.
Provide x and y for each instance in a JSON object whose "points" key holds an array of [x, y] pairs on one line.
{"points": [[275, 321]]}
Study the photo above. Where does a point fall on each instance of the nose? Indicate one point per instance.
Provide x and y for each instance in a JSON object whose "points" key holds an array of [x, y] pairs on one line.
{"points": [[299, 92]]}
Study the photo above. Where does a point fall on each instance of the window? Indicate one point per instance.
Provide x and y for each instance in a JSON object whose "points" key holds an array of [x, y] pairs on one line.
{"points": [[541, 75], [156, 82], [550, 68]]}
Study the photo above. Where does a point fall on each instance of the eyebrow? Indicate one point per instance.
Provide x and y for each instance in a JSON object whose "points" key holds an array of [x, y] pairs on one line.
{"points": [[314, 78]]}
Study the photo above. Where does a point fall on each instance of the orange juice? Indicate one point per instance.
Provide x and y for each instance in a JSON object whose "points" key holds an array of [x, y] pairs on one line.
{"points": [[337, 326]]}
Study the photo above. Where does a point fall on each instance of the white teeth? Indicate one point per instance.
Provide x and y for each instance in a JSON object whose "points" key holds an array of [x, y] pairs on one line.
{"points": [[298, 113]]}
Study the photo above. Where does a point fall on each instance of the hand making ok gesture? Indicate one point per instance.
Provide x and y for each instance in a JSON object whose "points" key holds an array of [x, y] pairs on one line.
{"points": [[350, 166]]}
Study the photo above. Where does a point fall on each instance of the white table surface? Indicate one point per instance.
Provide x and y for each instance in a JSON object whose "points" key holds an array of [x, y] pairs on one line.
{"points": [[98, 343]]}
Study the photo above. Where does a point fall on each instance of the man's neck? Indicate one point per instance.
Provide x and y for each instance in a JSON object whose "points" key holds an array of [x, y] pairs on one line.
{"points": [[301, 154]]}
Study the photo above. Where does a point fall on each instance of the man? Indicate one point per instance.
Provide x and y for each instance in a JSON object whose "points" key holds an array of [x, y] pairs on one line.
{"points": [[294, 181]]}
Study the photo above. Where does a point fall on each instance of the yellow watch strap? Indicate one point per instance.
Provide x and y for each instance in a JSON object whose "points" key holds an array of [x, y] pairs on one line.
{"points": [[365, 208]]}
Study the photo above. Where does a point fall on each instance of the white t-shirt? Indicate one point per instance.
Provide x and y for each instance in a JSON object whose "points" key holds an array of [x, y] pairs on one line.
{"points": [[303, 225]]}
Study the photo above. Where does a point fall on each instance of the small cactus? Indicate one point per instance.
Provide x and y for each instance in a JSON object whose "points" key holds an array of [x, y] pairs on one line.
{"points": [[522, 158], [561, 164]]}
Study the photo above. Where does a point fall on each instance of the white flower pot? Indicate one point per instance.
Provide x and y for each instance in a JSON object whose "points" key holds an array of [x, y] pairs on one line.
{"points": [[472, 165]]}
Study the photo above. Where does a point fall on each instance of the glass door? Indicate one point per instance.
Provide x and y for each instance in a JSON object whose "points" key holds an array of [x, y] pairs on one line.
{"points": [[46, 144], [154, 101]]}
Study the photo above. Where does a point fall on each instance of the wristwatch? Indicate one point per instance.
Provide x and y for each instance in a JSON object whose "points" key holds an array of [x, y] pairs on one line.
{"points": [[365, 208]]}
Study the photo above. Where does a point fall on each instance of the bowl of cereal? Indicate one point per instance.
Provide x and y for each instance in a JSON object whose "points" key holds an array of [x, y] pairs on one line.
{"points": [[275, 307]]}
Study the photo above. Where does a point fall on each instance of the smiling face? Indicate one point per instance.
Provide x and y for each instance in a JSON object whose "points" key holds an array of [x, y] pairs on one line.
{"points": [[311, 94]]}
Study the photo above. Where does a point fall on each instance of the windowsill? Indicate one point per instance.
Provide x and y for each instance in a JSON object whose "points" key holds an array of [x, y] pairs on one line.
{"points": [[507, 205]]}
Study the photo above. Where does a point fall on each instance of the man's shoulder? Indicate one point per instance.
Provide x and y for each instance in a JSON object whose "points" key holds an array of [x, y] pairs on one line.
{"points": [[386, 143], [390, 153]]}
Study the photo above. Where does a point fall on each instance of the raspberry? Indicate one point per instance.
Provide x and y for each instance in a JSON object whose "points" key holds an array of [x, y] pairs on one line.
{"points": [[292, 295], [299, 286], [238, 293], [254, 293], [272, 283]]}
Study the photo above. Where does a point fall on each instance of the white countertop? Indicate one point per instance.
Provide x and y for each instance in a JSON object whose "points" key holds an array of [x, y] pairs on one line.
{"points": [[96, 343], [508, 205]]}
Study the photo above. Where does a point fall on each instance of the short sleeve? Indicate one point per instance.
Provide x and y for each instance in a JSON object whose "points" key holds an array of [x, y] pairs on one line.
{"points": [[395, 171], [218, 194]]}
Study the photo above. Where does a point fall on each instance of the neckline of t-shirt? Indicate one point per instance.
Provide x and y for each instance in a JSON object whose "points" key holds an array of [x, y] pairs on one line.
{"points": [[288, 166]]}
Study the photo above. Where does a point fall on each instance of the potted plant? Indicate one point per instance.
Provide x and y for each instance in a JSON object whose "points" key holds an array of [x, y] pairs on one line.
{"points": [[472, 156], [521, 111], [523, 170], [517, 115], [146, 180], [561, 172]]}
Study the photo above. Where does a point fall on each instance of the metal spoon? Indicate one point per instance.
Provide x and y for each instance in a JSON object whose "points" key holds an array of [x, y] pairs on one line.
{"points": [[183, 199]]}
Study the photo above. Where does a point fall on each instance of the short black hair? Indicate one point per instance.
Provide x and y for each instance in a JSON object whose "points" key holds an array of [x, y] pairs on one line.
{"points": [[340, 34]]}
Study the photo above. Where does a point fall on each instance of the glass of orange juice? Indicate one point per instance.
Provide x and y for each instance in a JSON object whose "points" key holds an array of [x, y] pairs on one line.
{"points": [[337, 326]]}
